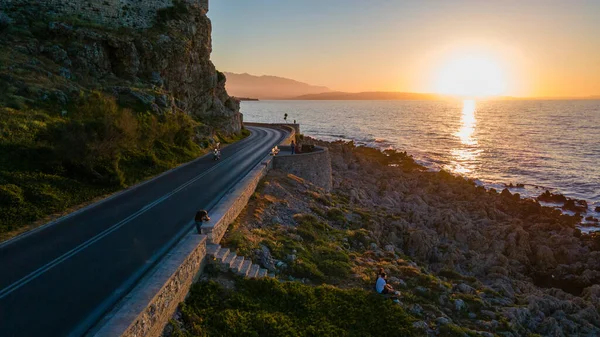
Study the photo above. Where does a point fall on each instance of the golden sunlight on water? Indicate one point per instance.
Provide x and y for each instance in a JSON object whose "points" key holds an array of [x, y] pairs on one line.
{"points": [[468, 123], [464, 157]]}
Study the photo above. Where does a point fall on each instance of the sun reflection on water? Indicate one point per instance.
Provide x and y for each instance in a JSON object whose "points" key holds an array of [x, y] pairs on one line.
{"points": [[468, 123], [464, 157]]}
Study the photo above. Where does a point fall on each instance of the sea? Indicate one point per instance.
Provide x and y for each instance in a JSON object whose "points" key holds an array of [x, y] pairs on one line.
{"points": [[543, 144]]}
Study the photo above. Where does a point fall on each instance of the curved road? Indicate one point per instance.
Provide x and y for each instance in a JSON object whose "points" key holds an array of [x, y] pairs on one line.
{"points": [[61, 279]]}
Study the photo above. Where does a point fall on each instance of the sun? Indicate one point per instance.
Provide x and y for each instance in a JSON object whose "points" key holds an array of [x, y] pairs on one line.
{"points": [[471, 74]]}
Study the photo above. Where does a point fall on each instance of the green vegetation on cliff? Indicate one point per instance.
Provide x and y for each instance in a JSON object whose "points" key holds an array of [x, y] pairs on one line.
{"points": [[271, 308], [88, 109]]}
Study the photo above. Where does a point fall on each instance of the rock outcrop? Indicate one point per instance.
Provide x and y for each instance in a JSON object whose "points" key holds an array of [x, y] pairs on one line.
{"points": [[49, 59]]}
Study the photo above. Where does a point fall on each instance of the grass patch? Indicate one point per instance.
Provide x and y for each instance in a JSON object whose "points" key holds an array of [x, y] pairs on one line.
{"points": [[270, 308], [453, 330]]}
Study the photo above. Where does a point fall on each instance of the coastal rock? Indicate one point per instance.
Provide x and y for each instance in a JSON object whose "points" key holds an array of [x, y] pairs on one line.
{"points": [[551, 197], [592, 294], [265, 258], [416, 309], [443, 321], [577, 206], [420, 325], [465, 289], [488, 314], [460, 305], [545, 257]]}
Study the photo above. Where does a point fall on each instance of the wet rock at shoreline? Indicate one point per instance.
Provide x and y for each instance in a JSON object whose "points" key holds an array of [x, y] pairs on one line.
{"points": [[551, 197], [577, 206]]}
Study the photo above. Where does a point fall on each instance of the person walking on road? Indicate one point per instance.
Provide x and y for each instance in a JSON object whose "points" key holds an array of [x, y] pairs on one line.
{"points": [[293, 146], [200, 217]]}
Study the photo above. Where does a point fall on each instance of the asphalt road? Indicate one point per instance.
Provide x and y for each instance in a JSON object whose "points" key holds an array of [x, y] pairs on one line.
{"points": [[60, 280]]}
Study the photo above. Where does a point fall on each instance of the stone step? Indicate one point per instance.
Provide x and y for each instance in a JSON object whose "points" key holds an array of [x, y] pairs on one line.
{"points": [[222, 254], [229, 259], [253, 271], [212, 249], [262, 272], [236, 264], [245, 268]]}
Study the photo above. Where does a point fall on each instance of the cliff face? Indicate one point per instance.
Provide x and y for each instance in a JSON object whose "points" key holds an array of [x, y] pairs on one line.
{"points": [[89, 104], [164, 68]]}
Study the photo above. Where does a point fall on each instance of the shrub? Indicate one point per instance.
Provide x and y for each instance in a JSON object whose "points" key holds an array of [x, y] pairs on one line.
{"points": [[50, 163], [336, 215], [10, 195], [455, 330]]}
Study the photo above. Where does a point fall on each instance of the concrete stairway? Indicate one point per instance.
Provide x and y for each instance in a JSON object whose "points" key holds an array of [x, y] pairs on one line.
{"points": [[227, 259]]}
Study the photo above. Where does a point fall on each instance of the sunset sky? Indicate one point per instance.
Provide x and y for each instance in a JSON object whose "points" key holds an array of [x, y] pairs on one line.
{"points": [[518, 48]]}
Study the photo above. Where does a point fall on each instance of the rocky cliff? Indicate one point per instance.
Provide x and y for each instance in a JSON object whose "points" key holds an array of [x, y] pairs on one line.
{"points": [[89, 104], [52, 58]]}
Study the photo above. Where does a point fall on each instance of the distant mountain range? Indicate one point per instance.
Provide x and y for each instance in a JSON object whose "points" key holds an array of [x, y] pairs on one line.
{"points": [[250, 87], [268, 87]]}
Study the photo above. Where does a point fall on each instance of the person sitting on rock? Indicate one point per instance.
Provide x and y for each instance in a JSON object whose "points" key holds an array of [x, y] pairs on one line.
{"points": [[200, 217], [381, 286]]}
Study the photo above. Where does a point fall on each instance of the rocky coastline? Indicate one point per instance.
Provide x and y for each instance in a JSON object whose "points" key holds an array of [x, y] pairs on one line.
{"points": [[468, 261]]}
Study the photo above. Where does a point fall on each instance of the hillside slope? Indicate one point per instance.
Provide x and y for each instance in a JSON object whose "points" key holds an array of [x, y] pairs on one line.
{"points": [[86, 108]]}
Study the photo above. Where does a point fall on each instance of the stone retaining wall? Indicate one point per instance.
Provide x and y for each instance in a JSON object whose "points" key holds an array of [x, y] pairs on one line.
{"points": [[148, 307], [127, 13], [314, 167]]}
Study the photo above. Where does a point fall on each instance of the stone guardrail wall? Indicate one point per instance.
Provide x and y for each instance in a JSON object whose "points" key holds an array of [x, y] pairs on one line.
{"points": [[315, 166], [294, 130], [127, 13], [146, 310]]}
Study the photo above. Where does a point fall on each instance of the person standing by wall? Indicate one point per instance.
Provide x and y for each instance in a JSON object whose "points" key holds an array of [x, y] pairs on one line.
{"points": [[293, 146]]}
